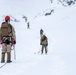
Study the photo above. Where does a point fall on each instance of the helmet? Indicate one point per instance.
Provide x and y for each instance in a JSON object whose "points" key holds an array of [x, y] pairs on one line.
{"points": [[7, 18]]}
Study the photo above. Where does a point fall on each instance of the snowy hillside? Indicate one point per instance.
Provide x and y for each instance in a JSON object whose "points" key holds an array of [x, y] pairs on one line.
{"points": [[60, 29]]}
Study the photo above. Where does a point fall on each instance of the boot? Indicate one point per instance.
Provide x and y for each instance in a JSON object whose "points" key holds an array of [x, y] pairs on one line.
{"points": [[3, 58], [45, 52], [8, 57]]}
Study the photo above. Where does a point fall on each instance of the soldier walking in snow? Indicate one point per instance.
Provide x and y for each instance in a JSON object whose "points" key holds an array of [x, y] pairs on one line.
{"points": [[8, 37], [44, 43]]}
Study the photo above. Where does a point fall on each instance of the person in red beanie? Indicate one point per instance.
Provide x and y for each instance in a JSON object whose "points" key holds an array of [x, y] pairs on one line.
{"points": [[7, 34], [7, 18]]}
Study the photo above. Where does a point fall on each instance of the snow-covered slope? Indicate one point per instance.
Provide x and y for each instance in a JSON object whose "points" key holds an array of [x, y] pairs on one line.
{"points": [[59, 28]]}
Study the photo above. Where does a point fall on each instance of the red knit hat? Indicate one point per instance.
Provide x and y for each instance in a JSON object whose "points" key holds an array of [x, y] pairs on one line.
{"points": [[7, 18]]}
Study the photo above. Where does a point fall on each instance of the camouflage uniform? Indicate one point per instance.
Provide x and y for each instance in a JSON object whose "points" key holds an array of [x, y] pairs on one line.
{"points": [[44, 43], [6, 45]]}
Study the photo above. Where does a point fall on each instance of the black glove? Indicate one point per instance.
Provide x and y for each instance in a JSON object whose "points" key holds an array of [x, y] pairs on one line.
{"points": [[14, 42], [40, 43], [7, 41], [46, 44]]}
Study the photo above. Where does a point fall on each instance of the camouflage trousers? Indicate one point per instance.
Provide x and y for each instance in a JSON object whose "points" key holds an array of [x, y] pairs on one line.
{"points": [[6, 48], [44, 47]]}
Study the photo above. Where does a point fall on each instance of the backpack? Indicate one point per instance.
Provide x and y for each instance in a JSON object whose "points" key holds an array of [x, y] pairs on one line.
{"points": [[6, 29], [44, 38]]}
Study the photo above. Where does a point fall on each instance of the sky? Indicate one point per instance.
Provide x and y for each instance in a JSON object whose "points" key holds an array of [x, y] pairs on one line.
{"points": [[60, 29]]}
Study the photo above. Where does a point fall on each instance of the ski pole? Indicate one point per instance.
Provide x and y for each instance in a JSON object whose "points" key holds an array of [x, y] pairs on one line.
{"points": [[14, 53]]}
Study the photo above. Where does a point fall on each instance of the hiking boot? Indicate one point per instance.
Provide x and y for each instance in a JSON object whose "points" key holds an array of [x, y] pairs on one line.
{"points": [[3, 61], [46, 52], [9, 61]]}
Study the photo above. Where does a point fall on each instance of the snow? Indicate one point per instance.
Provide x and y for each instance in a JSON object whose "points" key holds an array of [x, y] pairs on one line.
{"points": [[60, 29]]}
